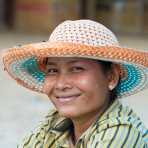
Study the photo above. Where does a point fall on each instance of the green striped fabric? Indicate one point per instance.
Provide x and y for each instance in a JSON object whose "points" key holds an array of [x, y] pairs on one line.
{"points": [[118, 127]]}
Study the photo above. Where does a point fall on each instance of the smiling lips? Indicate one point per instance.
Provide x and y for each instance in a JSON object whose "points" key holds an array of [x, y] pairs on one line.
{"points": [[64, 98]]}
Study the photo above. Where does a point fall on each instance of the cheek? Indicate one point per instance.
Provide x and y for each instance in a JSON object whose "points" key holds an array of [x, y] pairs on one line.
{"points": [[48, 85], [93, 85], [83, 81], [86, 84]]}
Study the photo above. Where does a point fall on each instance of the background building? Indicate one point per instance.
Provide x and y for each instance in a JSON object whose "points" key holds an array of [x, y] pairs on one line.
{"points": [[123, 16]]}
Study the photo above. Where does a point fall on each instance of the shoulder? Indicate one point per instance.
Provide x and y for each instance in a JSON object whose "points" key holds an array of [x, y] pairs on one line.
{"points": [[120, 127], [119, 114], [121, 135], [37, 136]]}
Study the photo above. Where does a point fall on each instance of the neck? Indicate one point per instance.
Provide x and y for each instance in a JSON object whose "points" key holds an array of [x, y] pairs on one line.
{"points": [[80, 126], [82, 123]]}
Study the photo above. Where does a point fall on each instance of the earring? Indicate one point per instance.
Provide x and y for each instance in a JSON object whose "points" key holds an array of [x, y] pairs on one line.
{"points": [[111, 87]]}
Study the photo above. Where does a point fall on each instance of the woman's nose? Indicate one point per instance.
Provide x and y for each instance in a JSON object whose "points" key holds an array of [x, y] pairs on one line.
{"points": [[63, 82]]}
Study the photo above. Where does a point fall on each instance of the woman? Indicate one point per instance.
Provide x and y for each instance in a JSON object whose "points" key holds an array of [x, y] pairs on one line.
{"points": [[84, 72]]}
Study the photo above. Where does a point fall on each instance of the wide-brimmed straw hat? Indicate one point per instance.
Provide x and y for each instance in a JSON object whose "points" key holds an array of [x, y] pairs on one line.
{"points": [[80, 38]]}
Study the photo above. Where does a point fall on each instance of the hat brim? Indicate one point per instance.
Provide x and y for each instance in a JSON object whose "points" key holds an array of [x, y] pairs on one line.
{"points": [[23, 63]]}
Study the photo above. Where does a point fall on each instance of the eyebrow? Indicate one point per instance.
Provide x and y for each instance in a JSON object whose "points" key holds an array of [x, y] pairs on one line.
{"points": [[54, 63], [51, 63], [73, 61]]}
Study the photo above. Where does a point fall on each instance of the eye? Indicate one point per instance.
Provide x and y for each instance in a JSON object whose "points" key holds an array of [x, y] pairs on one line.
{"points": [[77, 69], [52, 71]]}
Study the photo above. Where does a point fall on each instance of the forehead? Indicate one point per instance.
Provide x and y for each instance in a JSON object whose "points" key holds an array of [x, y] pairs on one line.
{"points": [[57, 60]]}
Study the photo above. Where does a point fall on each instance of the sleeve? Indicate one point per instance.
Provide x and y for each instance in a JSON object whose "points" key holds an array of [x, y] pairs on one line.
{"points": [[120, 136], [36, 137]]}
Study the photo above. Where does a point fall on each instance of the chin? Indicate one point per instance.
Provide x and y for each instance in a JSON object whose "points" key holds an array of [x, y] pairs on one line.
{"points": [[68, 113]]}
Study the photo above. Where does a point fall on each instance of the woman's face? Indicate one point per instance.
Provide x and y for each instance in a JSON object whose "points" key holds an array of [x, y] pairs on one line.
{"points": [[76, 86]]}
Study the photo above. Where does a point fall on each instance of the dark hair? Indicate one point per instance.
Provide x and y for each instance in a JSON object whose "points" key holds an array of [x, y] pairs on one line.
{"points": [[107, 66]]}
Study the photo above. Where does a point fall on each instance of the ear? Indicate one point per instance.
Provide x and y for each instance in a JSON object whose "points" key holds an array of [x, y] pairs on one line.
{"points": [[113, 76]]}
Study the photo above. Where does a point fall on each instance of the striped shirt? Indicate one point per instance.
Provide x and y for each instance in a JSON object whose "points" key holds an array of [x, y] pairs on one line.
{"points": [[118, 127]]}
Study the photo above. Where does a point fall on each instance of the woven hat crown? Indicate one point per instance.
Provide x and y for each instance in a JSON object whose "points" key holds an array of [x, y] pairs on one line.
{"points": [[84, 32], [80, 38]]}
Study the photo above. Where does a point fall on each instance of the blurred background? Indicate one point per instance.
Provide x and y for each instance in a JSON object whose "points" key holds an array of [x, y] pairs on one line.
{"points": [[26, 21]]}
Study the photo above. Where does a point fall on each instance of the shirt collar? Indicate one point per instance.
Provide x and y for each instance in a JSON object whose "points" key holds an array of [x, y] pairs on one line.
{"points": [[64, 125]]}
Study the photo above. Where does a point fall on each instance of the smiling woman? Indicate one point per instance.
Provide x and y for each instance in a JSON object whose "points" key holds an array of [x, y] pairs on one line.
{"points": [[83, 71], [71, 82]]}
